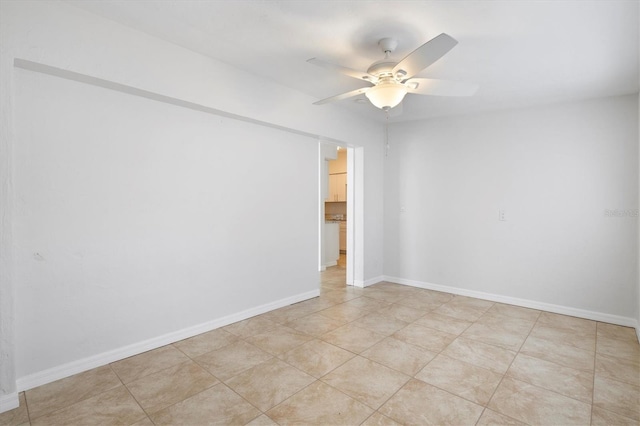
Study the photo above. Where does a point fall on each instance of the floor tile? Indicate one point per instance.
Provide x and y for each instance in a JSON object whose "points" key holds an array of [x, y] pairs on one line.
{"points": [[352, 338], [135, 367], [578, 325], [496, 331], [316, 324], [626, 349], [621, 369], [65, 392], [534, 405], [427, 338], [380, 323], [566, 355], [616, 332], [250, 327], [17, 416], [400, 356], [401, 312], [425, 301], [164, 388], [343, 312], [419, 403], [378, 419], [269, 383], [514, 311], [491, 418], [218, 404], [205, 342], [464, 308], [262, 420], [386, 295], [368, 382], [114, 407], [618, 397], [144, 422], [293, 312], [233, 359], [317, 357], [460, 378], [443, 323], [279, 340], [483, 355], [577, 384], [319, 404], [600, 417], [565, 336]]}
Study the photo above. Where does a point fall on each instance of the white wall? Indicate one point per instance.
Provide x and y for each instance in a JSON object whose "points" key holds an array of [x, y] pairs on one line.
{"points": [[555, 170], [118, 208]]}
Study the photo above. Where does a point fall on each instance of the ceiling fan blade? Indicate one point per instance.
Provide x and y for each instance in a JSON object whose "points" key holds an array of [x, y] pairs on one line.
{"points": [[425, 55], [433, 87], [342, 96], [360, 75]]}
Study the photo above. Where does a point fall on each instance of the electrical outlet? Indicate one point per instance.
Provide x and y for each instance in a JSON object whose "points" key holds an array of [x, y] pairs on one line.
{"points": [[502, 215]]}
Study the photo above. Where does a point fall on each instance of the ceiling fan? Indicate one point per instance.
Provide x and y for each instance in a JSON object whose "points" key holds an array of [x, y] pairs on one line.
{"points": [[391, 81]]}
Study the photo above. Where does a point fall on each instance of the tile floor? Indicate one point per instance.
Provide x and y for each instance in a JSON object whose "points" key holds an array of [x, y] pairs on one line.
{"points": [[384, 355]]}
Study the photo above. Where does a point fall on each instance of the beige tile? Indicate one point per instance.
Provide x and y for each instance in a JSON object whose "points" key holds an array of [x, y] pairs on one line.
{"points": [[400, 356], [233, 359], [600, 417], [114, 407], [352, 338], [460, 378], [483, 355], [343, 312], [464, 308], [367, 303], [380, 323], [269, 383], [337, 296], [491, 418], [218, 404], [577, 384], [144, 422], [164, 388], [316, 357], [443, 323], [566, 355], [565, 336], [616, 332], [623, 370], [279, 340], [378, 419], [17, 416], [293, 312], [534, 405], [419, 403], [368, 382], [618, 397], [386, 295], [401, 312], [427, 338], [495, 329], [250, 326], [626, 349], [315, 324], [579, 325], [319, 404], [514, 311], [425, 301], [65, 392], [135, 367], [205, 342], [262, 420]]}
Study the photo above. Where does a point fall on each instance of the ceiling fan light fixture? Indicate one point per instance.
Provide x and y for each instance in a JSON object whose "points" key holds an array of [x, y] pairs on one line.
{"points": [[386, 95]]}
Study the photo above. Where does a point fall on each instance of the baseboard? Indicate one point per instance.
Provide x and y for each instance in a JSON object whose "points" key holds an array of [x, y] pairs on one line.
{"points": [[60, 372], [332, 263], [525, 303], [372, 281], [9, 402]]}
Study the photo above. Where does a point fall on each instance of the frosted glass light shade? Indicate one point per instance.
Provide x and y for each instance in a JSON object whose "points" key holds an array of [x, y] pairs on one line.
{"points": [[386, 95]]}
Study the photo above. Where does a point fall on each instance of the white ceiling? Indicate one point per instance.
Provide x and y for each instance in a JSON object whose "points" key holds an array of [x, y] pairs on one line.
{"points": [[521, 53]]}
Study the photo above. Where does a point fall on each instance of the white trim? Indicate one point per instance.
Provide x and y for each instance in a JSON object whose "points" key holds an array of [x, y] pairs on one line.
{"points": [[549, 307], [9, 402], [374, 280], [328, 264], [47, 376]]}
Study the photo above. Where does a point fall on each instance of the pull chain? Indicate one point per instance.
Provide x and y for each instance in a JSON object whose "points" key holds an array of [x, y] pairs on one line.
{"points": [[386, 133]]}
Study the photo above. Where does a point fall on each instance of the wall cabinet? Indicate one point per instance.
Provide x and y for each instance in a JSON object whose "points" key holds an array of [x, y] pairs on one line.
{"points": [[337, 187]]}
